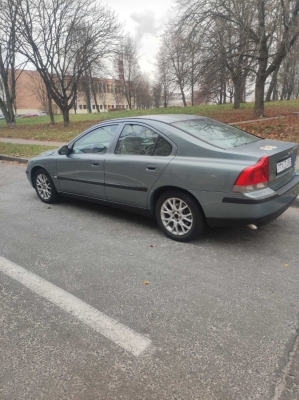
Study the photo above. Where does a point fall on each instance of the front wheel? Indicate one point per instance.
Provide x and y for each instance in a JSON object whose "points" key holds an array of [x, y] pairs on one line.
{"points": [[44, 187], [179, 216]]}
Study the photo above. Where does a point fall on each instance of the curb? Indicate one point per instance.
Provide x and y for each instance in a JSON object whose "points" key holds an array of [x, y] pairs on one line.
{"points": [[17, 159], [259, 120]]}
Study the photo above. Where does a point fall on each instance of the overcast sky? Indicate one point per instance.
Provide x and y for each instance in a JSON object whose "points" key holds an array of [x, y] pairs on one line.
{"points": [[145, 21]]}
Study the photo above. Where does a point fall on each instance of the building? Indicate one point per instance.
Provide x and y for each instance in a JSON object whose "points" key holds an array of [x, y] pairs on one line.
{"points": [[102, 94], [177, 101]]}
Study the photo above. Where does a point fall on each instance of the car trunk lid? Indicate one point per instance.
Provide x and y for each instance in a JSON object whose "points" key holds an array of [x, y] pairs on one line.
{"points": [[282, 159]]}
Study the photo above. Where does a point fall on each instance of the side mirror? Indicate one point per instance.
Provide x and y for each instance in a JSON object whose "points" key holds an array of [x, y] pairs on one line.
{"points": [[64, 150]]}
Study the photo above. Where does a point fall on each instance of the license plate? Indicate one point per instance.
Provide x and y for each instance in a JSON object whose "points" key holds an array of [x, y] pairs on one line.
{"points": [[283, 165]]}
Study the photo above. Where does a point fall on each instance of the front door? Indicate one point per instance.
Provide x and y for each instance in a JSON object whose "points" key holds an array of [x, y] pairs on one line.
{"points": [[82, 171], [140, 157]]}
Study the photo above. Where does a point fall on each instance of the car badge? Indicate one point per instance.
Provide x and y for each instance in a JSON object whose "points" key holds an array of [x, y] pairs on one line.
{"points": [[268, 148]]}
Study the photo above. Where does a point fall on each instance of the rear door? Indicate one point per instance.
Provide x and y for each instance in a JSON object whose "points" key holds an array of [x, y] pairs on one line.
{"points": [[140, 157], [82, 171]]}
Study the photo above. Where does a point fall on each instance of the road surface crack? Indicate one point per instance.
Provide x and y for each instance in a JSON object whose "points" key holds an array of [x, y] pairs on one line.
{"points": [[286, 372]]}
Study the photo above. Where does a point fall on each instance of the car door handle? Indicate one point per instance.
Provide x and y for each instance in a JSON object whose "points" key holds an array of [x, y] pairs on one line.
{"points": [[151, 167], [95, 164]]}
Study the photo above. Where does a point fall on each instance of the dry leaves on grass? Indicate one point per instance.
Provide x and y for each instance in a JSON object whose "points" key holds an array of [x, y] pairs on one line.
{"points": [[286, 129]]}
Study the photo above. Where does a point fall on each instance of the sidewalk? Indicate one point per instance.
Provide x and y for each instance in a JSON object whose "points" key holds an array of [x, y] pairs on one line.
{"points": [[259, 120], [27, 141]]}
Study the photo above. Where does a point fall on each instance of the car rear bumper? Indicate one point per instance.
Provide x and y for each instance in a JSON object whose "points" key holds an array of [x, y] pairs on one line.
{"points": [[227, 210], [259, 221]]}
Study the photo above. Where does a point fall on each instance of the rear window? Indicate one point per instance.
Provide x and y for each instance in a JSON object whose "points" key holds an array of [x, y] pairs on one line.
{"points": [[216, 133]]}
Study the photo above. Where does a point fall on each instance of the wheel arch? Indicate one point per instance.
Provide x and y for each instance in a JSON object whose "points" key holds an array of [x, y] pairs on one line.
{"points": [[33, 171], [159, 191]]}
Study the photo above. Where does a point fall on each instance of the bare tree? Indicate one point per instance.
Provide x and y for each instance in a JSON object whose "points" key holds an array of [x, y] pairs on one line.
{"points": [[164, 73], [157, 94], [8, 54], [39, 90], [144, 97], [257, 23], [288, 75], [62, 39], [126, 65], [178, 56]]}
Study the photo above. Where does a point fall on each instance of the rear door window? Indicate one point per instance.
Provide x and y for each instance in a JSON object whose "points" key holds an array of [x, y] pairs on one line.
{"points": [[162, 147], [216, 133], [136, 140]]}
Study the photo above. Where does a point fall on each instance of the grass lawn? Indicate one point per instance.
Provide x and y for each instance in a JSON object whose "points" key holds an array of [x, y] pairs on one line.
{"points": [[22, 150], [39, 128], [286, 129]]}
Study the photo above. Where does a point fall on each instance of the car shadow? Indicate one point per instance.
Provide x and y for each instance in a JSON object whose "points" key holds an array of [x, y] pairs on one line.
{"points": [[116, 213], [224, 235], [296, 203]]}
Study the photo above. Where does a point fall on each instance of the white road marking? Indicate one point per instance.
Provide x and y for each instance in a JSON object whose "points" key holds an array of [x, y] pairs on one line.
{"points": [[108, 327]]}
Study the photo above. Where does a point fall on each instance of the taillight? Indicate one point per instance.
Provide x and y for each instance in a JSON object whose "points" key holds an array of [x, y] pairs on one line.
{"points": [[254, 177]]}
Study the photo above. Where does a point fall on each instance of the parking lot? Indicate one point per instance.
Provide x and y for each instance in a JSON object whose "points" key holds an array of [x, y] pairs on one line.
{"points": [[213, 319]]}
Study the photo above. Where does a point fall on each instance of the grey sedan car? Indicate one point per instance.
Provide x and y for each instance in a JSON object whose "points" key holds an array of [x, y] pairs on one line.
{"points": [[187, 171]]}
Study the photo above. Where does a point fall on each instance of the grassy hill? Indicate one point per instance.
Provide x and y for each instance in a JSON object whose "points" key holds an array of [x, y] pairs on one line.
{"points": [[39, 128]]}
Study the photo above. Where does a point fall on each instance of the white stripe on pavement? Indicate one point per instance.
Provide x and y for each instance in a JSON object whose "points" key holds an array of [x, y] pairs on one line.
{"points": [[108, 327]]}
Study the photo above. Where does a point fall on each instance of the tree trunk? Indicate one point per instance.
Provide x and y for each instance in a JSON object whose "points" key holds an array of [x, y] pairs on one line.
{"points": [[220, 99], [183, 97], [272, 84], [192, 94], [66, 116], [4, 111], [165, 97], [52, 120], [238, 92], [289, 94], [95, 96], [275, 92], [259, 106], [243, 90]]}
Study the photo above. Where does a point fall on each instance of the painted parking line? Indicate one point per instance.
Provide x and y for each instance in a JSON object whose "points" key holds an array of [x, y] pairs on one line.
{"points": [[101, 323]]}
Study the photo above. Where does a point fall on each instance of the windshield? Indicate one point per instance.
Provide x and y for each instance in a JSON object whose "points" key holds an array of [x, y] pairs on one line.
{"points": [[216, 133]]}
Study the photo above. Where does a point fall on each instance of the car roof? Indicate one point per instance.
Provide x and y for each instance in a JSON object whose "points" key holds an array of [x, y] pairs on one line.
{"points": [[166, 118]]}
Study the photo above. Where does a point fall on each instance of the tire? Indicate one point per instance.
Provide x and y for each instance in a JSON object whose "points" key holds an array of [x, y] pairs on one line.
{"points": [[185, 224], [44, 187]]}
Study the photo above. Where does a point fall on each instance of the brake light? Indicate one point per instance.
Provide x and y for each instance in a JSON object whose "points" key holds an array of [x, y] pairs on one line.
{"points": [[254, 177]]}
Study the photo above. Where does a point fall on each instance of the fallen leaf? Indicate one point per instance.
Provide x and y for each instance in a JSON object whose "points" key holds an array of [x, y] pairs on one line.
{"points": [[48, 208], [146, 282], [153, 245], [34, 235], [131, 254], [286, 265]]}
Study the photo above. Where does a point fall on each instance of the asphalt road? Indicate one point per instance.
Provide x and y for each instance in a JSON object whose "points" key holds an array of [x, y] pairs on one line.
{"points": [[220, 314]]}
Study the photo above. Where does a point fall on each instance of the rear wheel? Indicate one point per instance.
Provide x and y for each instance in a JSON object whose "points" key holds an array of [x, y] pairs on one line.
{"points": [[44, 187], [179, 216]]}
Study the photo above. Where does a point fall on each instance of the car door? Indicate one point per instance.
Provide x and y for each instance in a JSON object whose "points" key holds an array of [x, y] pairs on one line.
{"points": [[82, 171], [140, 157]]}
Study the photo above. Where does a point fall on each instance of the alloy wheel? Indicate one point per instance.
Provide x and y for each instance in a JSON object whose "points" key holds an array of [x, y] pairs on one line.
{"points": [[176, 216], [43, 186]]}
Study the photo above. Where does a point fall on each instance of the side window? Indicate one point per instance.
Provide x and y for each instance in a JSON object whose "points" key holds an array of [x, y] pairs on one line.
{"points": [[96, 141], [136, 140], [162, 148]]}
